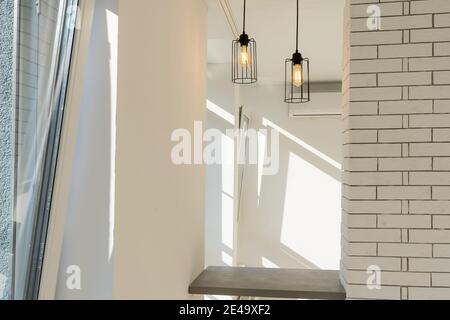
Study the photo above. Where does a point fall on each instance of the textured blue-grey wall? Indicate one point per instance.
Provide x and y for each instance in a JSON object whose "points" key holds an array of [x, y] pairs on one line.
{"points": [[6, 143]]}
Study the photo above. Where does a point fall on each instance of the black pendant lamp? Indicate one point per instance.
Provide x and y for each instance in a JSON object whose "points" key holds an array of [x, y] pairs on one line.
{"points": [[244, 61], [297, 75]]}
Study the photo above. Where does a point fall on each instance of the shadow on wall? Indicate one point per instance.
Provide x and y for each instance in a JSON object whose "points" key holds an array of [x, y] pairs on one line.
{"points": [[292, 219], [288, 220], [88, 235]]}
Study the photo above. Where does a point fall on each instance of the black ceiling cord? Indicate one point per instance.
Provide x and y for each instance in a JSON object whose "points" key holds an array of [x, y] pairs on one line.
{"points": [[245, 9], [244, 57], [296, 43], [297, 57]]}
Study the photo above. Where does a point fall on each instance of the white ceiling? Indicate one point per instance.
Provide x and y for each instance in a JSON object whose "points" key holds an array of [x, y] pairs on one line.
{"points": [[272, 24]]}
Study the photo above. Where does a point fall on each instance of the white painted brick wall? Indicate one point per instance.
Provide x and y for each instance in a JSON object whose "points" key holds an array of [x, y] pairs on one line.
{"points": [[396, 136], [402, 249], [441, 250], [442, 49]]}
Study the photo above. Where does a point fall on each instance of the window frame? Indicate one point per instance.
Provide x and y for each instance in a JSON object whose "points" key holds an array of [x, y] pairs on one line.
{"points": [[46, 288]]}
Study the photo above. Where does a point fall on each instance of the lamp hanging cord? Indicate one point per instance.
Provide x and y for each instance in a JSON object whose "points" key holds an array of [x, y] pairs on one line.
{"points": [[296, 43], [245, 6]]}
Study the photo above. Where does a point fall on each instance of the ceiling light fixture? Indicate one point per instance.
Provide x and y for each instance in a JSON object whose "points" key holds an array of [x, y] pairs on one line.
{"points": [[244, 61], [297, 74]]}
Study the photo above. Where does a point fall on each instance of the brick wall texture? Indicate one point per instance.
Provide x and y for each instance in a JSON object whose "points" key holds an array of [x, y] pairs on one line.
{"points": [[396, 123]]}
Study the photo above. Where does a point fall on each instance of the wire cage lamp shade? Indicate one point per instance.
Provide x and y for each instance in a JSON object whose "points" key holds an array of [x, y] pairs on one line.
{"points": [[297, 85], [244, 61], [297, 88], [243, 58]]}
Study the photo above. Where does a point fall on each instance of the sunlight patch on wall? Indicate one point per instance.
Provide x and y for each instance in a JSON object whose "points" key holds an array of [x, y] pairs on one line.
{"points": [[222, 113], [303, 144], [227, 259], [227, 220], [266, 263], [227, 191], [112, 24], [310, 215], [262, 148]]}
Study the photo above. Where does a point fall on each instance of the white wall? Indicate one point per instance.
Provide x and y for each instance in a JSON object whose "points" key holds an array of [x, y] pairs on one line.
{"points": [[295, 220], [88, 234], [159, 230], [292, 219]]}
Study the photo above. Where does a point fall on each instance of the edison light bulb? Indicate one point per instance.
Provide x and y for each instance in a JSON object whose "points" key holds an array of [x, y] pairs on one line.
{"points": [[297, 76], [244, 57]]}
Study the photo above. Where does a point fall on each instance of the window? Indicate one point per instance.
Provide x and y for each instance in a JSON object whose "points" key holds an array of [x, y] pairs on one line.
{"points": [[44, 45]]}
